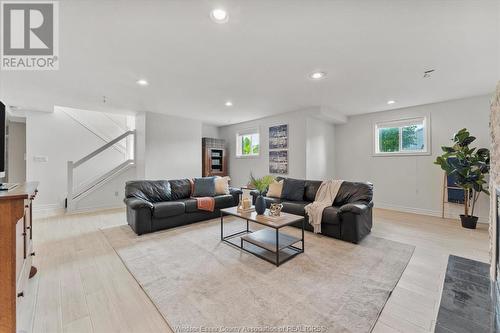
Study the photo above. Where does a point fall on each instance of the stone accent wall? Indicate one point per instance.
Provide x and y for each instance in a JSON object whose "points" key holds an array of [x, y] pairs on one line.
{"points": [[494, 173]]}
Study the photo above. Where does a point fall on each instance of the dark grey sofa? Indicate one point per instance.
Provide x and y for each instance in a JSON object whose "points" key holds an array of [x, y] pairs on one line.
{"points": [[348, 219], [154, 205]]}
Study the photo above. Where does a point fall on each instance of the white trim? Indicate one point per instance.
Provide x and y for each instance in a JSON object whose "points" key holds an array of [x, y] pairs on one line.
{"points": [[243, 132], [401, 154], [426, 120], [47, 210], [96, 209], [52, 210], [248, 156], [423, 211]]}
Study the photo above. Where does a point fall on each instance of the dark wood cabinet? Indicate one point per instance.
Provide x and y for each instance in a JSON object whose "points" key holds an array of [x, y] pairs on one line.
{"points": [[214, 157]]}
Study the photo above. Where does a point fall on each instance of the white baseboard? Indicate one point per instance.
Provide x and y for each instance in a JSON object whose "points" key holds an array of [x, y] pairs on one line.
{"points": [[422, 211], [96, 208], [51, 210], [47, 210]]}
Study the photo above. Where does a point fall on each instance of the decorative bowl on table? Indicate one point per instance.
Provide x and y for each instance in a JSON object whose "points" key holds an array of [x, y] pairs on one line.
{"points": [[275, 209]]}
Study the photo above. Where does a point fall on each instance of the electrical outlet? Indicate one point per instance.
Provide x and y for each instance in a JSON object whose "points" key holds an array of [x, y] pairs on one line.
{"points": [[41, 159], [116, 193]]}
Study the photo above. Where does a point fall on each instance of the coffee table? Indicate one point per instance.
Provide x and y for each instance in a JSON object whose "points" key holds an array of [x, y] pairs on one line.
{"points": [[268, 243]]}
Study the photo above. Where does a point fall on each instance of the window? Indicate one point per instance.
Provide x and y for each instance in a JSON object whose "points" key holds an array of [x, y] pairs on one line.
{"points": [[247, 144], [402, 137]]}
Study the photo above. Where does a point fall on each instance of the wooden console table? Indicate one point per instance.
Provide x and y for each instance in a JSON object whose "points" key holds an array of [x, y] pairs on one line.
{"points": [[16, 251]]}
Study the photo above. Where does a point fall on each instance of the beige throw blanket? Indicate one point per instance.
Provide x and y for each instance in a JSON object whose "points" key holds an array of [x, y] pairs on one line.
{"points": [[324, 198]]}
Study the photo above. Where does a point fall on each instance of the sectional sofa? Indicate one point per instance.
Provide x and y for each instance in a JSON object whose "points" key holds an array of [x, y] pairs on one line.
{"points": [[348, 219], [162, 204]]}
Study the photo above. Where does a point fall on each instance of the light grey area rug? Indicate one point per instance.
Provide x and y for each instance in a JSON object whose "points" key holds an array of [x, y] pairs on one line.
{"points": [[198, 283]]}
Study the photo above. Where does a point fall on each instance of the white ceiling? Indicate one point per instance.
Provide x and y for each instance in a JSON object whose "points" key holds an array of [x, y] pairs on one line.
{"points": [[373, 51]]}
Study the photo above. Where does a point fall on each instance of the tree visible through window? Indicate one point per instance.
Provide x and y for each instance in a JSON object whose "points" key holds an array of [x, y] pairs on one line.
{"points": [[248, 144], [403, 136], [389, 139]]}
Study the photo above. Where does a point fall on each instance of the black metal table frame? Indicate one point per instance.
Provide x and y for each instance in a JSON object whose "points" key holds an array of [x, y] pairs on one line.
{"points": [[277, 262]]}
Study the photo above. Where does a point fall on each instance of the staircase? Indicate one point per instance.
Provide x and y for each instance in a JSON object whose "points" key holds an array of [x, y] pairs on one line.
{"points": [[115, 157], [76, 193]]}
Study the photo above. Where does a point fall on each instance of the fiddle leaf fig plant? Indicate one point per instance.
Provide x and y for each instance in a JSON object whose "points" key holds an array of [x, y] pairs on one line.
{"points": [[468, 166]]}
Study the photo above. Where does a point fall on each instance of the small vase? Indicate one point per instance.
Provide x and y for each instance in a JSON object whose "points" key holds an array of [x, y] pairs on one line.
{"points": [[260, 205]]}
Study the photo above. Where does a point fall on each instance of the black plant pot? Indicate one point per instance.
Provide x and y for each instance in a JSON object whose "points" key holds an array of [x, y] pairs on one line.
{"points": [[469, 222], [260, 205]]}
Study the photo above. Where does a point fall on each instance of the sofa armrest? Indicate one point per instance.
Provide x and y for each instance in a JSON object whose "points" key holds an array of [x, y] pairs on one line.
{"points": [[136, 203], [139, 215], [356, 221], [255, 194], [357, 208], [235, 193], [234, 190]]}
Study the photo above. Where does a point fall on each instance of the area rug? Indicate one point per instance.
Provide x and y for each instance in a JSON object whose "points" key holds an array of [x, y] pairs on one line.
{"points": [[200, 284]]}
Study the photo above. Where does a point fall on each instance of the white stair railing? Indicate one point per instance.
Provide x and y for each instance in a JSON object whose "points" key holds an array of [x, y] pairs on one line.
{"points": [[89, 123], [75, 194]]}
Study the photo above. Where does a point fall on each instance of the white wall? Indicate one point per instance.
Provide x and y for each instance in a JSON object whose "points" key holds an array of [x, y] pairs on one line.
{"points": [[16, 151], [140, 145], [209, 131], [320, 149], [240, 168], [410, 183], [173, 147], [167, 147], [109, 195], [60, 139]]}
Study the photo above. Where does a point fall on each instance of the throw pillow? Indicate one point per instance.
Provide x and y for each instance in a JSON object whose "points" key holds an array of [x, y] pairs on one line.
{"points": [[275, 189], [293, 189], [222, 185], [204, 187]]}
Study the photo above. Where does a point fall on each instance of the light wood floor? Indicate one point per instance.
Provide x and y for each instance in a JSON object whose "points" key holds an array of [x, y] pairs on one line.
{"points": [[82, 285]]}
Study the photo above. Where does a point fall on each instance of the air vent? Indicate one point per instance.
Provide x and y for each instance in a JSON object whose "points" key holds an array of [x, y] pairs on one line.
{"points": [[428, 74]]}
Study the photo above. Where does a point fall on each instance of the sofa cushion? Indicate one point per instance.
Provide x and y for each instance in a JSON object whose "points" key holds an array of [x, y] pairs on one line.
{"points": [[354, 192], [311, 188], [330, 216], [270, 201], [168, 209], [293, 189], [181, 188], [149, 190], [204, 187], [224, 201], [295, 207], [191, 205]]}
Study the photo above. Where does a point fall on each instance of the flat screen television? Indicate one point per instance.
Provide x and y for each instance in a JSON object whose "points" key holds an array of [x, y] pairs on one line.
{"points": [[2, 141]]}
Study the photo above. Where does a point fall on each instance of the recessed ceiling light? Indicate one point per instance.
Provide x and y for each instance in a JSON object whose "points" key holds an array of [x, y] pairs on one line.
{"points": [[142, 82], [391, 102], [228, 103], [219, 15], [317, 75]]}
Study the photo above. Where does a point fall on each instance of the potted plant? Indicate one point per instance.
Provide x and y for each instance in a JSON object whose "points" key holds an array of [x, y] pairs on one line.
{"points": [[469, 167], [261, 185]]}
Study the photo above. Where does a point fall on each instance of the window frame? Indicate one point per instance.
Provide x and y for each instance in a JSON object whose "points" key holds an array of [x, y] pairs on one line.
{"points": [[400, 123], [240, 133]]}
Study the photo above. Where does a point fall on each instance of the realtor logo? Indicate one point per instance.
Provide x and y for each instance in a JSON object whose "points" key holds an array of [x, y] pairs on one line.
{"points": [[29, 35]]}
